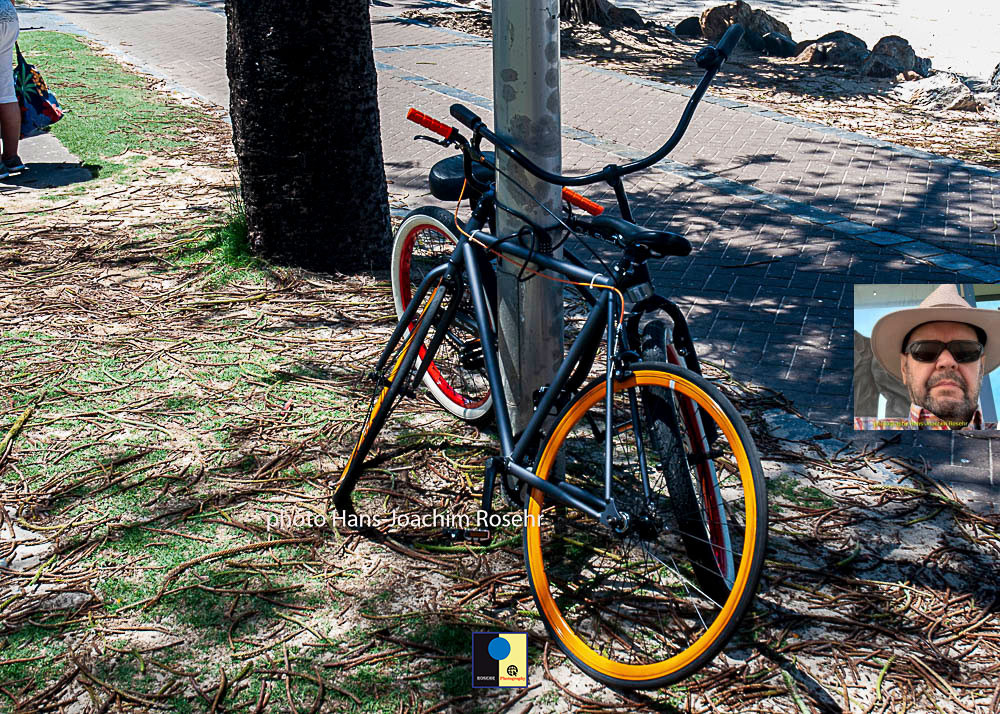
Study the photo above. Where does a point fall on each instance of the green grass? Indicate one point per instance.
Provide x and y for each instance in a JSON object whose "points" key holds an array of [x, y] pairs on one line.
{"points": [[790, 489], [107, 111], [27, 642], [227, 248]]}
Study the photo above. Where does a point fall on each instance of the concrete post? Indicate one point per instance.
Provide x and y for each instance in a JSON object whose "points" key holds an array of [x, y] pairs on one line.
{"points": [[527, 113]]}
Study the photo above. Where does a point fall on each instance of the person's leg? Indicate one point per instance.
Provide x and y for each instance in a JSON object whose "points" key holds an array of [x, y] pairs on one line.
{"points": [[10, 123], [10, 112]]}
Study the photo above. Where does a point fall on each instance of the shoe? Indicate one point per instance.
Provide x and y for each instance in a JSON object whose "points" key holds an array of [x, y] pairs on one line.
{"points": [[14, 164], [4, 173]]}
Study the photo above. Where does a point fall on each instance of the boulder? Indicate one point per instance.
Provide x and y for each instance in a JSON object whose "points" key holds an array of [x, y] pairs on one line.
{"points": [[995, 78], [762, 23], [716, 20], [689, 27], [942, 90], [834, 48], [892, 55], [778, 45]]}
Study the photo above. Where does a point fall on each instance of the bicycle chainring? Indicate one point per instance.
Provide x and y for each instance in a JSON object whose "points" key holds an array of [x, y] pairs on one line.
{"points": [[514, 491]]}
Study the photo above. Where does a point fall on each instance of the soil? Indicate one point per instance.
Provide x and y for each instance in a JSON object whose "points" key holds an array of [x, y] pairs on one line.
{"points": [[174, 404], [826, 95]]}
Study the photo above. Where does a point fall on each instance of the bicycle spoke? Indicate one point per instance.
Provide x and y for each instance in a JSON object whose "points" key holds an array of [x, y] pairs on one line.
{"points": [[645, 595]]}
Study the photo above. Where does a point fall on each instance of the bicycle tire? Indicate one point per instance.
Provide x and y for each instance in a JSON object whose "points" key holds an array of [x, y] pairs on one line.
{"points": [[645, 624], [425, 239], [694, 488]]}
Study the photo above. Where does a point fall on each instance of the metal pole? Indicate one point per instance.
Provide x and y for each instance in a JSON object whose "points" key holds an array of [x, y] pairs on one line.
{"points": [[527, 113]]}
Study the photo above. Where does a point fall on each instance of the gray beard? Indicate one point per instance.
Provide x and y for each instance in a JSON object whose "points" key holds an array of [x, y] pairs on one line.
{"points": [[951, 410], [945, 409]]}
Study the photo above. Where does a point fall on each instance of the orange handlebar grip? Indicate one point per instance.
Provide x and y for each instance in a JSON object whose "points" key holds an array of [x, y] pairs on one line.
{"points": [[430, 123], [575, 199]]}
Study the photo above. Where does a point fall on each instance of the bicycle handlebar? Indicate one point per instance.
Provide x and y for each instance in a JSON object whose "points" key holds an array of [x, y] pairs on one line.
{"points": [[575, 199], [719, 54], [449, 132], [729, 40], [431, 123]]}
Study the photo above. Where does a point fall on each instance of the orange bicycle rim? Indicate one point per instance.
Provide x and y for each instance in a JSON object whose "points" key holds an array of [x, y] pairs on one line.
{"points": [[566, 634]]}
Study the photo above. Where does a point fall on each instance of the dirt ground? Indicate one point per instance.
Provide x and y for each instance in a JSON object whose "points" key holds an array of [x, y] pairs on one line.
{"points": [[177, 415], [833, 96]]}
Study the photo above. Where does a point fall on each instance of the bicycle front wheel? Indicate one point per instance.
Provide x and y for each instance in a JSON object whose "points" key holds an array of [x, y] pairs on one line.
{"points": [[456, 377], [627, 604]]}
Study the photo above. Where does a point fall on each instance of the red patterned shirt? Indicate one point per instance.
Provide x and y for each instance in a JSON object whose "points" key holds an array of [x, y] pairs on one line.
{"points": [[919, 418]]}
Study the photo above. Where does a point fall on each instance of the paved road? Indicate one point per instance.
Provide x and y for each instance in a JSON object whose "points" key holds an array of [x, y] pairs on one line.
{"points": [[785, 216]]}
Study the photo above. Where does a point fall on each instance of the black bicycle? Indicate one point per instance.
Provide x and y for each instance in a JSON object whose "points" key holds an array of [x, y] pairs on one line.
{"points": [[645, 505]]}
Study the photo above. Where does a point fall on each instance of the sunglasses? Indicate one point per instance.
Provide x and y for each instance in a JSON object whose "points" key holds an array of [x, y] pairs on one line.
{"points": [[929, 350]]}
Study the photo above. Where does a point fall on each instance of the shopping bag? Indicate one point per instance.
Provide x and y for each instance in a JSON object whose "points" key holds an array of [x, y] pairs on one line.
{"points": [[39, 107]]}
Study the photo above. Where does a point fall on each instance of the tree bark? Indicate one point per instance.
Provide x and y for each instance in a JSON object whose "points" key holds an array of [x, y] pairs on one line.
{"points": [[304, 107], [599, 12]]}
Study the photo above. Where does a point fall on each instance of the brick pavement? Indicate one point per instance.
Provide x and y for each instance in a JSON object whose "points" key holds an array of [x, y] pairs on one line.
{"points": [[785, 216], [180, 40]]}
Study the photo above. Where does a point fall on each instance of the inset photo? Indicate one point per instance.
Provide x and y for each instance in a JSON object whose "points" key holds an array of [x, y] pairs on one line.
{"points": [[925, 355]]}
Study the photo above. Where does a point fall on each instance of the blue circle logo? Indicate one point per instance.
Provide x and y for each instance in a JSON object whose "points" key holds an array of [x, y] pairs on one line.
{"points": [[499, 648]]}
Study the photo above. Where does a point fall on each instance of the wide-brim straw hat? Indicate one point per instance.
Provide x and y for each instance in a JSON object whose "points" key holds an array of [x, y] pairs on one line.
{"points": [[942, 305]]}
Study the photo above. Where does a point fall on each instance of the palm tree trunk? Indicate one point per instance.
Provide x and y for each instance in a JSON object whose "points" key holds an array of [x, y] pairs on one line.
{"points": [[304, 107]]}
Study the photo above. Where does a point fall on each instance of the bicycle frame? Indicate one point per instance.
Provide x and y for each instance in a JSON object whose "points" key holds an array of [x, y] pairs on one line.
{"points": [[601, 322]]}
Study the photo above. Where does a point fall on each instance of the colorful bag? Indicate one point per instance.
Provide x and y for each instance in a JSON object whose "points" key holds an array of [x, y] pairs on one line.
{"points": [[39, 107]]}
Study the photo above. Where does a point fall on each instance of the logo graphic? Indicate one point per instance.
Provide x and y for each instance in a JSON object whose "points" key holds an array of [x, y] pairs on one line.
{"points": [[499, 659]]}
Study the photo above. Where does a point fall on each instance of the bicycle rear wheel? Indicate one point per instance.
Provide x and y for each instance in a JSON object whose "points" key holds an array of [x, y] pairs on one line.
{"points": [[628, 607], [456, 377]]}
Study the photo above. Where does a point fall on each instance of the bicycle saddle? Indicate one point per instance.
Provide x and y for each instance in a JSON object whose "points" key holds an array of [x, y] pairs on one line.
{"points": [[642, 240], [447, 175]]}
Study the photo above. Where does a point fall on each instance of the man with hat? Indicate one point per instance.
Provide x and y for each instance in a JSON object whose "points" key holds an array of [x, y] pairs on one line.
{"points": [[940, 351]]}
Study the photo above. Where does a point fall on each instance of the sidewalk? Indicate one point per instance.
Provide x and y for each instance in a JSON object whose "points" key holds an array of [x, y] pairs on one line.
{"points": [[785, 216]]}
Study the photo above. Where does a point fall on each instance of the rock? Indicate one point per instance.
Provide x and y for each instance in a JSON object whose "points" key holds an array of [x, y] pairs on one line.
{"points": [[943, 90], [716, 20], [801, 46], [995, 78], [892, 55], [989, 101], [908, 76], [834, 48], [626, 17], [753, 41], [778, 45], [689, 27], [762, 23]]}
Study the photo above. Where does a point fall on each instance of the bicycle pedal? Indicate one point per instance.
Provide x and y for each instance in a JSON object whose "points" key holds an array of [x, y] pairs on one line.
{"points": [[473, 535]]}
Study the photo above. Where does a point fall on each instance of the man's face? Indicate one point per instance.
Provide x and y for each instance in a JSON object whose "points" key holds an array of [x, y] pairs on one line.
{"points": [[946, 388]]}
